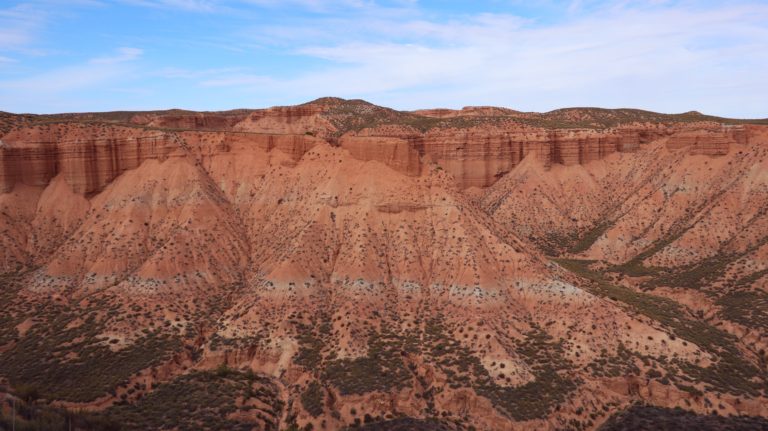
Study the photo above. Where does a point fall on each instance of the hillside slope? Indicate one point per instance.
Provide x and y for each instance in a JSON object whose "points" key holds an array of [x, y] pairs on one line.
{"points": [[337, 263]]}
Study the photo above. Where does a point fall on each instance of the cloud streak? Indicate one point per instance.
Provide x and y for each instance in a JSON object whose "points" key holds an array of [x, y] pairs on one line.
{"points": [[19, 26], [670, 58], [204, 6], [50, 90], [123, 54], [666, 55]]}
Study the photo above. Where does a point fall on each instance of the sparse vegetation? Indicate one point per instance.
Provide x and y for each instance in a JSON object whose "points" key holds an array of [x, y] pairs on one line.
{"points": [[749, 308], [30, 416], [312, 398], [532, 400], [587, 239], [380, 370], [64, 356], [731, 373], [204, 400], [651, 418]]}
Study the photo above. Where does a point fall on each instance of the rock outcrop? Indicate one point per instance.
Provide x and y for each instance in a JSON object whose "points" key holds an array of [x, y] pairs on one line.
{"points": [[708, 142], [89, 157], [397, 153], [476, 153]]}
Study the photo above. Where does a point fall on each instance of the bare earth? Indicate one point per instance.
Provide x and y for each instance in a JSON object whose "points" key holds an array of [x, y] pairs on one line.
{"points": [[337, 262]]}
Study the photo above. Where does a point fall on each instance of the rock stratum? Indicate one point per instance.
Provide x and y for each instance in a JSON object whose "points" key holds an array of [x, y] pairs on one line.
{"points": [[340, 264]]}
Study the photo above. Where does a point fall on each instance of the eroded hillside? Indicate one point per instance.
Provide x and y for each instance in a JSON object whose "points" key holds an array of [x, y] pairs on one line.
{"points": [[339, 263]]}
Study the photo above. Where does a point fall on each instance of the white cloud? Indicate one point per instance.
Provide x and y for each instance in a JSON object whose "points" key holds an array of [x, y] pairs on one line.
{"points": [[668, 58], [123, 54], [179, 73], [662, 55], [240, 80], [19, 26], [187, 5], [93, 74]]}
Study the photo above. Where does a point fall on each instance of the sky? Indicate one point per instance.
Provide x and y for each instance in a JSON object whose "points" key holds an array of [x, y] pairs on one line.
{"points": [[536, 55]]}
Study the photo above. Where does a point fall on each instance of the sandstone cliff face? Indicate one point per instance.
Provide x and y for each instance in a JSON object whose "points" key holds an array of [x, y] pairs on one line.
{"points": [[708, 142], [397, 153], [479, 156], [211, 144], [303, 119], [89, 157]]}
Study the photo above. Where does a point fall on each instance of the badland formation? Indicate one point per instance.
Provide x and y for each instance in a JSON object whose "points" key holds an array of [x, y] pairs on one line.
{"points": [[339, 264]]}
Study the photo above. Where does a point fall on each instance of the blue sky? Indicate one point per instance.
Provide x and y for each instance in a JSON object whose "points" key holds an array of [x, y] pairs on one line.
{"points": [[537, 55]]}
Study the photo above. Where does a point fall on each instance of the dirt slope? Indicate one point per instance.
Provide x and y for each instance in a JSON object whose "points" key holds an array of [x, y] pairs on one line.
{"points": [[484, 267]]}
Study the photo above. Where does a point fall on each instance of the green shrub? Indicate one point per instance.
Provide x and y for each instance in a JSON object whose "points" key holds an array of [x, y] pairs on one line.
{"points": [[312, 399]]}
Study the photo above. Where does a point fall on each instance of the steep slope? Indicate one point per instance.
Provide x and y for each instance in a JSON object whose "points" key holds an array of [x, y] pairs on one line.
{"points": [[683, 223], [360, 264], [653, 213]]}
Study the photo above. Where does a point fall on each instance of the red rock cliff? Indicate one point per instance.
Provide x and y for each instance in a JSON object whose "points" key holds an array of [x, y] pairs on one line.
{"points": [[477, 154], [89, 157]]}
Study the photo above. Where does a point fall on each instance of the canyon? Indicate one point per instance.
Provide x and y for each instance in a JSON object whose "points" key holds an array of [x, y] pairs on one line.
{"points": [[340, 264]]}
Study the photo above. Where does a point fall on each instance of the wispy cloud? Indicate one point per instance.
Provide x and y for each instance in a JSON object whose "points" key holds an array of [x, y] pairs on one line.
{"points": [[123, 54], [666, 57], [51, 88], [186, 5], [180, 73], [19, 25], [319, 6], [323, 6]]}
